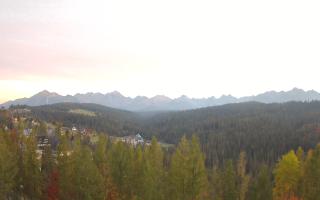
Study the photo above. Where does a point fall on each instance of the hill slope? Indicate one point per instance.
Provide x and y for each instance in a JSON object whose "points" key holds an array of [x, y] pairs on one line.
{"points": [[264, 131], [93, 116]]}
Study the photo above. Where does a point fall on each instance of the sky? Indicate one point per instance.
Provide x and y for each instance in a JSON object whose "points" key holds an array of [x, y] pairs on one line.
{"points": [[198, 48]]}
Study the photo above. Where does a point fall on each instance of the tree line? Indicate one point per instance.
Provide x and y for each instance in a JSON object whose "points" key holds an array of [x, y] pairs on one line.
{"points": [[114, 170]]}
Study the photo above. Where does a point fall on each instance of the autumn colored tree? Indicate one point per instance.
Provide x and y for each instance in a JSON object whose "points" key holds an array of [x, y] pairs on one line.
{"points": [[187, 174], [287, 176], [52, 192], [229, 182], [49, 172], [87, 180], [153, 181], [101, 161], [8, 168], [121, 166], [242, 176], [138, 173]]}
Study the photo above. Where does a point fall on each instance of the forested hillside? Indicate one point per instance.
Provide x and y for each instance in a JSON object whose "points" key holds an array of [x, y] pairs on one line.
{"points": [[93, 116], [263, 131], [108, 170]]}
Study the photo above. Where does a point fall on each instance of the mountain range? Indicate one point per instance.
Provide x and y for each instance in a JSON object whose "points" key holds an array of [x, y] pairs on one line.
{"points": [[161, 102]]}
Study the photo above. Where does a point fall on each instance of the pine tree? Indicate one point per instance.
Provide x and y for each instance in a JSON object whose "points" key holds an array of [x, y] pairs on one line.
{"points": [[243, 178], [187, 173], [262, 186], [216, 184], [121, 166], [229, 182], [31, 179], [198, 180], [138, 173], [88, 182], [8, 169], [101, 161], [47, 169], [287, 176], [311, 179], [301, 157], [65, 166], [179, 171], [154, 172]]}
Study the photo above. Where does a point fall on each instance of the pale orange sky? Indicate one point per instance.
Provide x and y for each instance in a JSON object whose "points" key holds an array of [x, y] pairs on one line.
{"points": [[199, 48]]}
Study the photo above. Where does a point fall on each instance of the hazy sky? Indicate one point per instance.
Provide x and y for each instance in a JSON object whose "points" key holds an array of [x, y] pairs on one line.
{"points": [[146, 47]]}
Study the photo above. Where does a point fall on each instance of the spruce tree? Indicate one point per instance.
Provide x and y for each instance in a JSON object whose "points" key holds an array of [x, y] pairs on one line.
{"points": [[261, 188], [311, 179]]}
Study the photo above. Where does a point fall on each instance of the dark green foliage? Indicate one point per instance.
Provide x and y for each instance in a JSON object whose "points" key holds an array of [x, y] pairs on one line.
{"points": [[108, 120], [125, 172], [88, 182], [8, 168], [121, 166], [31, 170], [261, 187], [311, 180], [263, 131]]}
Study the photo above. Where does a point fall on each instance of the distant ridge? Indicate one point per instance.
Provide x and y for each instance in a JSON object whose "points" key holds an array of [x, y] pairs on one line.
{"points": [[160, 102]]}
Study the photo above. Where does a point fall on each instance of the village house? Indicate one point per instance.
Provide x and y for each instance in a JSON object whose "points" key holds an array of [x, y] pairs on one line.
{"points": [[132, 139], [43, 141], [74, 129]]}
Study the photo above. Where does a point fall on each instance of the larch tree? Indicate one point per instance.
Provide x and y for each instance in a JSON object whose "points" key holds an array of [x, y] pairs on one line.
{"points": [[198, 180], [101, 161], [154, 172], [187, 173], [88, 182], [287, 177], [138, 173], [229, 191], [121, 166], [243, 177], [8, 169]]}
